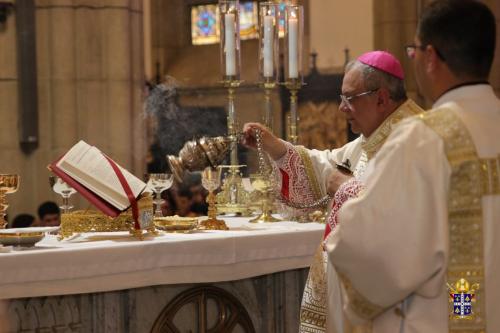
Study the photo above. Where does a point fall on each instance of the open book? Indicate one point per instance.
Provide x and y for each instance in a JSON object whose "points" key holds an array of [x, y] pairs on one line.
{"points": [[88, 170]]}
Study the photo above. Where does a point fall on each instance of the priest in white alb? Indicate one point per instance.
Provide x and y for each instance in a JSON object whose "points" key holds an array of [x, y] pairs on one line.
{"points": [[417, 250]]}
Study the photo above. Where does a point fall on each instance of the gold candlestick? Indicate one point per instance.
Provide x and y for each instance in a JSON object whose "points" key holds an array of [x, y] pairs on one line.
{"points": [[293, 86], [232, 198], [294, 33], [268, 54], [268, 107], [9, 183], [231, 86]]}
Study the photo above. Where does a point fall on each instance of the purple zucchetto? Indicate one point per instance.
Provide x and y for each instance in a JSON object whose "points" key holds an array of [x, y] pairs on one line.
{"points": [[383, 61]]}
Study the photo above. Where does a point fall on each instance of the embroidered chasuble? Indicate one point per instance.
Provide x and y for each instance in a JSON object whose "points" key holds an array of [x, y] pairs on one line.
{"points": [[470, 180], [417, 250], [299, 169]]}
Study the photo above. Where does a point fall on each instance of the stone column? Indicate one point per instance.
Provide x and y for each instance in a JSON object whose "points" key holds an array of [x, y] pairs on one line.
{"points": [[90, 78], [395, 24], [12, 160], [495, 70]]}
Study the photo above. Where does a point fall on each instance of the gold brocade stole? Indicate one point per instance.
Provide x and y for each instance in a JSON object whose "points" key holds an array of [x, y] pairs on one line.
{"points": [[311, 174], [471, 179]]}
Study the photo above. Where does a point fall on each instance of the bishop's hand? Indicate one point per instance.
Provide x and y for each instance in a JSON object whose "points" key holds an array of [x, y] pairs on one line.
{"points": [[336, 178], [270, 143]]}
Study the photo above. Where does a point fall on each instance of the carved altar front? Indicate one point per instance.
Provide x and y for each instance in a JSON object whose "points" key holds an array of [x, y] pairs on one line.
{"points": [[268, 303], [249, 279]]}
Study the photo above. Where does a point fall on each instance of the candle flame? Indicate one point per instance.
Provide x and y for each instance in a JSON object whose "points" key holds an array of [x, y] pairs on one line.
{"points": [[294, 14]]}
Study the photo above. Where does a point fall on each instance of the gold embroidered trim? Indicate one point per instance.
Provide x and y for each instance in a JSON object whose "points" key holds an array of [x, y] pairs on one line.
{"points": [[490, 175], [311, 175], [471, 179], [373, 143], [313, 308], [362, 306]]}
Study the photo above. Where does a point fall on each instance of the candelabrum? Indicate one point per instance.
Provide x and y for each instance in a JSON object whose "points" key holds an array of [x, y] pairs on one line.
{"points": [[229, 21], [232, 198], [268, 55], [294, 32], [8, 184]]}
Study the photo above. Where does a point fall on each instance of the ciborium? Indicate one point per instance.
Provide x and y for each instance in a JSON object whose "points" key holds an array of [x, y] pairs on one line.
{"points": [[264, 185], [198, 154], [264, 182], [9, 183]]}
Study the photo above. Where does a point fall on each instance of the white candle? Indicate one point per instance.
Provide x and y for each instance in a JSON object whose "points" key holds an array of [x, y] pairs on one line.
{"points": [[230, 44], [268, 45], [293, 32]]}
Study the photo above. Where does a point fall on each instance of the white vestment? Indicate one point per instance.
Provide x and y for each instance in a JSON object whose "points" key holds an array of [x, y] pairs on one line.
{"points": [[304, 176], [392, 245]]}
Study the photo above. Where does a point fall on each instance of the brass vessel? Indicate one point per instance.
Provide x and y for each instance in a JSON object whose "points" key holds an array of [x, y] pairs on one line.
{"points": [[198, 154], [9, 183]]}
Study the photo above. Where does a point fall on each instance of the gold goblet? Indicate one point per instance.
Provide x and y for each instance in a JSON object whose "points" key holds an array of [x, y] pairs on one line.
{"points": [[8, 184], [210, 179], [264, 185]]}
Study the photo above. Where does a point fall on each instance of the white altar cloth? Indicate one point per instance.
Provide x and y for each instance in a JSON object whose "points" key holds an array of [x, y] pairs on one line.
{"points": [[114, 261]]}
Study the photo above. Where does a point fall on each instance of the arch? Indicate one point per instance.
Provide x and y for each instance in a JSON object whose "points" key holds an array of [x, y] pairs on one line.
{"points": [[230, 311]]}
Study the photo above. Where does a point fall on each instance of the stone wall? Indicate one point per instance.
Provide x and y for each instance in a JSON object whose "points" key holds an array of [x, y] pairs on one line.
{"points": [[395, 24], [90, 77]]}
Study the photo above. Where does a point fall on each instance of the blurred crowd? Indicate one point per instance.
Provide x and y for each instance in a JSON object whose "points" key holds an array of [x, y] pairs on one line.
{"points": [[185, 199], [49, 215]]}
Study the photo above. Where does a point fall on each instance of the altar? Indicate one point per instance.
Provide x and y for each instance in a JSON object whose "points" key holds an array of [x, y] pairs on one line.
{"points": [[247, 279]]}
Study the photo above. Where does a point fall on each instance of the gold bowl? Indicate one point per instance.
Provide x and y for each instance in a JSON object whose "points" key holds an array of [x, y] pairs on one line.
{"points": [[176, 224], [27, 239]]}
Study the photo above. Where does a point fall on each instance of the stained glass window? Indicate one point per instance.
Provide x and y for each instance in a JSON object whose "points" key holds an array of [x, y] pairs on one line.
{"points": [[281, 18], [249, 20], [204, 24]]}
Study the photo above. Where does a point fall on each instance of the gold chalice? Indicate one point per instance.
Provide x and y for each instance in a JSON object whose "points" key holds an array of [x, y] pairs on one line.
{"points": [[264, 185], [9, 183], [210, 179]]}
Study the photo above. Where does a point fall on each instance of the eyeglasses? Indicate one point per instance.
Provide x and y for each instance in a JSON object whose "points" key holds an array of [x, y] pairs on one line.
{"points": [[347, 99], [411, 50]]}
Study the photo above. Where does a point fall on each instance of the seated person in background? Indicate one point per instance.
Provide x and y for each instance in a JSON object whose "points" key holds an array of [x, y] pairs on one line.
{"points": [[183, 201], [168, 206], [199, 194], [23, 221], [49, 214]]}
